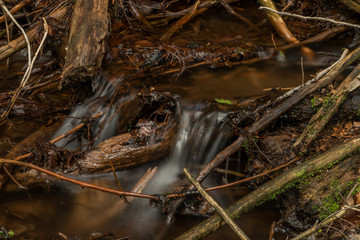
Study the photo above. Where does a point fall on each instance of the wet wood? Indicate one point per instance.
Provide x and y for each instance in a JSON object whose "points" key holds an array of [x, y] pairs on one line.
{"points": [[86, 47], [278, 22], [275, 186], [124, 154]]}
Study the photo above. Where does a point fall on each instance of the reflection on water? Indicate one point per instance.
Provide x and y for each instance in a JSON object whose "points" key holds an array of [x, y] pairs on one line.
{"points": [[77, 212], [239, 81]]}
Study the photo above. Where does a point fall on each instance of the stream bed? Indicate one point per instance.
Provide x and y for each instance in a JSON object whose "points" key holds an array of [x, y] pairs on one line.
{"points": [[68, 210]]}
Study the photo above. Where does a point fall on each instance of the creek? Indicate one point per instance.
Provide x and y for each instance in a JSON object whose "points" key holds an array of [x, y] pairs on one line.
{"points": [[65, 208]]}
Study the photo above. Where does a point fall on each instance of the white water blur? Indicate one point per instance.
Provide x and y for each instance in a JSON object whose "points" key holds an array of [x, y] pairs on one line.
{"points": [[103, 127], [198, 140]]}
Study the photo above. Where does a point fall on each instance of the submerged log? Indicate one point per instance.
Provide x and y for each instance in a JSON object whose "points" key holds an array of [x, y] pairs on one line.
{"points": [[86, 47]]}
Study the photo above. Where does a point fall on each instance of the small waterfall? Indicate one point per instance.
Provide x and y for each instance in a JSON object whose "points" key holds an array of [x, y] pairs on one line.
{"points": [[199, 139], [103, 127]]}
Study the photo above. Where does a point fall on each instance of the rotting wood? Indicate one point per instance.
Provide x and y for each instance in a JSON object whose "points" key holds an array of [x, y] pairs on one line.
{"points": [[327, 111], [86, 46], [325, 193], [273, 187]]}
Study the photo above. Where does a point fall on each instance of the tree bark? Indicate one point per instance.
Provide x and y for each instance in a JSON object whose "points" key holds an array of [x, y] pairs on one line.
{"points": [[86, 47]]}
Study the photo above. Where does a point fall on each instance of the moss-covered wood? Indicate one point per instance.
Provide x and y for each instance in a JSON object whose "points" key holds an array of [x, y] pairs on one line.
{"points": [[274, 187]]}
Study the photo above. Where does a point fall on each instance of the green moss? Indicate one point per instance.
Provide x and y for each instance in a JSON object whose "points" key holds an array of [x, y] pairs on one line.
{"points": [[315, 104], [358, 111], [329, 205]]}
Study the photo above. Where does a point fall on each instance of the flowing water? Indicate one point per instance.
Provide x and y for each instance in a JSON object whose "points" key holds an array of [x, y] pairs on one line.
{"points": [[76, 212], [101, 102]]}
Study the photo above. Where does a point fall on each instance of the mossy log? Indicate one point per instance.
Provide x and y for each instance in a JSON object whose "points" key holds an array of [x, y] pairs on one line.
{"points": [[326, 193], [276, 186], [86, 46]]}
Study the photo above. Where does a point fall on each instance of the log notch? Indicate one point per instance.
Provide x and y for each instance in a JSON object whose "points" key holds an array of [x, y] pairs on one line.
{"points": [[86, 47]]}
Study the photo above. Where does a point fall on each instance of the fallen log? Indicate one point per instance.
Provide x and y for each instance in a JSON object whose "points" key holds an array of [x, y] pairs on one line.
{"points": [[86, 46], [276, 186], [320, 197], [124, 154]]}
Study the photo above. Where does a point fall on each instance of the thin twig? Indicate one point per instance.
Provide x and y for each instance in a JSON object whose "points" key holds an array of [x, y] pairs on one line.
{"points": [[74, 129], [218, 208], [242, 18], [312, 18], [181, 22], [77, 182], [302, 71], [2, 4], [12, 178], [117, 180], [251, 178], [180, 195], [15, 9], [27, 74]]}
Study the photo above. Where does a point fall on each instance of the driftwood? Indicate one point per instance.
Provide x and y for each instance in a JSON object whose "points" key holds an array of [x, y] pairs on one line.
{"points": [[120, 150], [86, 47], [273, 187]]}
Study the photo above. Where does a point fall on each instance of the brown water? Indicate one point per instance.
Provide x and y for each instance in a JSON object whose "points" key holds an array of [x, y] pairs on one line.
{"points": [[42, 214], [76, 212]]}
